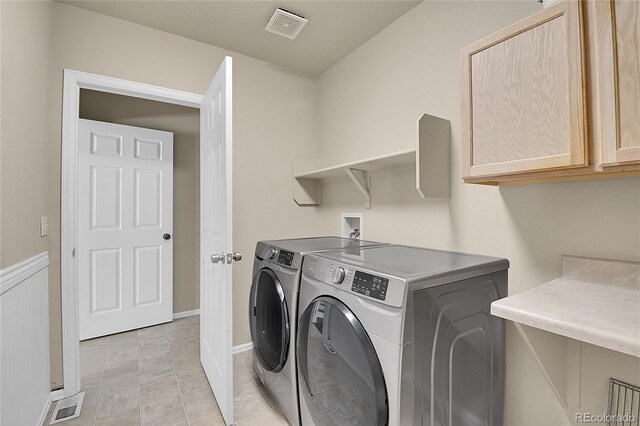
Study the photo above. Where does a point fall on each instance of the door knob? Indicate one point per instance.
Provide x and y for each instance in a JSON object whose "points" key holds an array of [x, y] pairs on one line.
{"points": [[167, 236], [217, 258], [237, 256]]}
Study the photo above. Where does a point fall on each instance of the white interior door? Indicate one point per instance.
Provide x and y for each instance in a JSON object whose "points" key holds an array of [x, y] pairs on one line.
{"points": [[216, 295], [125, 222]]}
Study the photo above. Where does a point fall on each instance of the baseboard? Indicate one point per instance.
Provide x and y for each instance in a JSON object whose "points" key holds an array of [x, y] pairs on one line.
{"points": [[243, 347], [57, 395], [185, 314]]}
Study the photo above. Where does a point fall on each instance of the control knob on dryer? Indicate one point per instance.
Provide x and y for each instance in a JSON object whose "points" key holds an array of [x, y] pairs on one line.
{"points": [[272, 253], [338, 275]]}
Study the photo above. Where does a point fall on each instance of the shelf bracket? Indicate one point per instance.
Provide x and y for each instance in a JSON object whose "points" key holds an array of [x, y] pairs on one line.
{"points": [[559, 359], [361, 180]]}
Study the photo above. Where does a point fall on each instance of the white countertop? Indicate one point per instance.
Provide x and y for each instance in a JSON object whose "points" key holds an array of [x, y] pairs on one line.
{"points": [[604, 313]]}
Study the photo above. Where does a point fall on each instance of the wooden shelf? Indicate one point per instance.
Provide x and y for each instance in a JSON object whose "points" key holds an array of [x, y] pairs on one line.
{"points": [[595, 301], [431, 157]]}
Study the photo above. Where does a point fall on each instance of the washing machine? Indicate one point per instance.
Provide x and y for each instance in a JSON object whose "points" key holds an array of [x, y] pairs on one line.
{"points": [[273, 311], [400, 335]]}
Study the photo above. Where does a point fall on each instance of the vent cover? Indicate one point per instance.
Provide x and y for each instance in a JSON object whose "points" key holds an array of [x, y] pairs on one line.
{"points": [[624, 404], [286, 24], [67, 408]]}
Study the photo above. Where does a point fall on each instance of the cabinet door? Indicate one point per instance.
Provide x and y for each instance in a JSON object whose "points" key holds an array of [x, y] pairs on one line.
{"points": [[523, 107], [618, 76]]}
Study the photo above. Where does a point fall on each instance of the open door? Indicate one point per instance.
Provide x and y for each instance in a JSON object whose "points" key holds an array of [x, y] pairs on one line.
{"points": [[216, 149]]}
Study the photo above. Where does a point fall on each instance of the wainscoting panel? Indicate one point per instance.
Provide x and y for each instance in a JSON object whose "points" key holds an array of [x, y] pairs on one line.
{"points": [[25, 388]]}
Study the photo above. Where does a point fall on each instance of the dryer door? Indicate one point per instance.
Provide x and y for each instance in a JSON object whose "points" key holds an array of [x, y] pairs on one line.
{"points": [[269, 319], [340, 377]]}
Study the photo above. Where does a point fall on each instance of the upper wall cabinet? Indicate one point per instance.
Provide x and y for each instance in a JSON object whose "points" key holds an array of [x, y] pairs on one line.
{"points": [[523, 100], [617, 38]]}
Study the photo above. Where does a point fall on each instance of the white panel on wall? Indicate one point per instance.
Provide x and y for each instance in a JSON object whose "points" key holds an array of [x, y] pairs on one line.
{"points": [[106, 197], [106, 144], [25, 386], [147, 280], [148, 198], [105, 280], [148, 149]]}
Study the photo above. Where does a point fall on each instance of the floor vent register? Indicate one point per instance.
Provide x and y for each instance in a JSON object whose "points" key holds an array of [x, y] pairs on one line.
{"points": [[67, 408]]}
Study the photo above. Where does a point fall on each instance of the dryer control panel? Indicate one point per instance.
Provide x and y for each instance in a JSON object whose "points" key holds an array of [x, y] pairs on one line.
{"points": [[277, 255], [285, 257]]}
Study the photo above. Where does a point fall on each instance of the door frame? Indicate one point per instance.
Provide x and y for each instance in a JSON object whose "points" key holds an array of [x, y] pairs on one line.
{"points": [[73, 82]]}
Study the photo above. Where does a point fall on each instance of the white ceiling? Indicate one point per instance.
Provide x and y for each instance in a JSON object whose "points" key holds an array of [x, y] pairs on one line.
{"points": [[335, 28]]}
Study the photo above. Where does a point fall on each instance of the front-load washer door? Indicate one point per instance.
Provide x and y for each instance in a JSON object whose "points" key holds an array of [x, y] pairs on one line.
{"points": [[269, 319], [340, 377]]}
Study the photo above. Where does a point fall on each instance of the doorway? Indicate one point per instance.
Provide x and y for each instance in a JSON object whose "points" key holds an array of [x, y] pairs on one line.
{"points": [[73, 84], [171, 232], [125, 349], [215, 124]]}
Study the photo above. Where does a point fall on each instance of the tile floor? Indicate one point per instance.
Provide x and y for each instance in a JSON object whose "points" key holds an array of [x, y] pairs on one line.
{"points": [[153, 376]]}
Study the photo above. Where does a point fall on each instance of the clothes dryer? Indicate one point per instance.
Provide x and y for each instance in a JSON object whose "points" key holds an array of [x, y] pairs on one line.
{"points": [[401, 336]]}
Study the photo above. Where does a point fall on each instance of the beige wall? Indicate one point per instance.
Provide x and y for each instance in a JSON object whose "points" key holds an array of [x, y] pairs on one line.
{"points": [[274, 121], [184, 123], [369, 105], [24, 162]]}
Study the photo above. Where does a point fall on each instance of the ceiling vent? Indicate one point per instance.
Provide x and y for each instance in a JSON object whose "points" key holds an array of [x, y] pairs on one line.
{"points": [[286, 24]]}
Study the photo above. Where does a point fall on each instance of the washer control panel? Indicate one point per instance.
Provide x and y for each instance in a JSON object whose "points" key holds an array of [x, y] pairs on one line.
{"points": [[285, 257], [370, 285]]}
